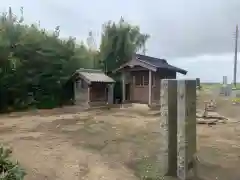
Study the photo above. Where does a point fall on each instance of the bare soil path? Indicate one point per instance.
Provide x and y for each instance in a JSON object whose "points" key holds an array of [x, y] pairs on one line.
{"points": [[110, 144]]}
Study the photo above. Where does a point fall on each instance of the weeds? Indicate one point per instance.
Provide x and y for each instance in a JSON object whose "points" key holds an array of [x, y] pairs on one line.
{"points": [[9, 170]]}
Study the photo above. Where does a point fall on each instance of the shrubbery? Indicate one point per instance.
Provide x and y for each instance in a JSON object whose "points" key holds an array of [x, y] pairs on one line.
{"points": [[9, 170], [35, 64]]}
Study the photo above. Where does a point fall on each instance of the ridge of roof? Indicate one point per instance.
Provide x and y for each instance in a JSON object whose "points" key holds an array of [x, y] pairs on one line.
{"points": [[149, 58], [94, 75], [89, 70]]}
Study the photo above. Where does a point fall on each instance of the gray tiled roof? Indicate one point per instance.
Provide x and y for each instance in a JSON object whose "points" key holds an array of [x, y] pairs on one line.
{"points": [[94, 75], [159, 63]]}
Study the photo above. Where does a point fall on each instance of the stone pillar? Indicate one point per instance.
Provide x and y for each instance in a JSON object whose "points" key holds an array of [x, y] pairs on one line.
{"points": [[198, 83], [150, 88], [168, 96], [224, 80], [186, 125], [110, 93], [123, 87]]}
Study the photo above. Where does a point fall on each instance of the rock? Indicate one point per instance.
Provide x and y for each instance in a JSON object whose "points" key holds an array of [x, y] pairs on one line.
{"points": [[209, 122], [211, 118]]}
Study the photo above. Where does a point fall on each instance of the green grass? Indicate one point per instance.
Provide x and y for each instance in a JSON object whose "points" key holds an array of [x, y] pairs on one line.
{"points": [[216, 85], [146, 168]]}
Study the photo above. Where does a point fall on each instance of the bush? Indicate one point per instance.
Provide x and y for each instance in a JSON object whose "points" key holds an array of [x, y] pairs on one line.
{"points": [[8, 169]]}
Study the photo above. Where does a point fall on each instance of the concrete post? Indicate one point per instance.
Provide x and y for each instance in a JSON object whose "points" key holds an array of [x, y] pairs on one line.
{"points": [[168, 102], [186, 125], [198, 83], [225, 80]]}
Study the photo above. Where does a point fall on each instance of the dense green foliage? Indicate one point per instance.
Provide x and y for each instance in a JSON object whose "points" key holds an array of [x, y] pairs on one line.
{"points": [[8, 169], [35, 63], [118, 43]]}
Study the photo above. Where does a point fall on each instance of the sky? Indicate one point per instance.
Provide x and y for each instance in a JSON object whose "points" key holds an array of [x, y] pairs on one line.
{"points": [[197, 35]]}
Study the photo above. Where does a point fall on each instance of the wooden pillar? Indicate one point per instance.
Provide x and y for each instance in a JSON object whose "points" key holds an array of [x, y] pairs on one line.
{"points": [[110, 93], [186, 125], [75, 91], [168, 95], [88, 92], [150, 88], [132, 88], [123, 87]]}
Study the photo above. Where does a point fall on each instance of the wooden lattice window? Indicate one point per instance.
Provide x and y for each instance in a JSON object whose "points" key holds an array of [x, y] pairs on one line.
{"points": [[139, 80], [145, 81]]}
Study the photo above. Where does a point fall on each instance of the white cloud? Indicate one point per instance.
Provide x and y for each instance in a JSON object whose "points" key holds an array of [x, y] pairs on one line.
{"points": [[210, 68], [196, 35]]}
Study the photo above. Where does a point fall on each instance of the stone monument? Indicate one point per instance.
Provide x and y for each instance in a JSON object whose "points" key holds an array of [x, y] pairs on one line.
{"points": [[178, 116]]}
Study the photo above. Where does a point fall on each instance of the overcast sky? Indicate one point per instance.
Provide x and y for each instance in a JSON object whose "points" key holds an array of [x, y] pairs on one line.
{"points": [[197, 35]]}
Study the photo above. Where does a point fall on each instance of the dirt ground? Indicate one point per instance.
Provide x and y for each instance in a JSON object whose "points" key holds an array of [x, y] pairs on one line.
{"points": [[113, 144]]}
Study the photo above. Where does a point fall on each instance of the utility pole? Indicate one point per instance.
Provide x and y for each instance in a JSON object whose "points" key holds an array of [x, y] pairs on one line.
{"points": [[235, 59]]}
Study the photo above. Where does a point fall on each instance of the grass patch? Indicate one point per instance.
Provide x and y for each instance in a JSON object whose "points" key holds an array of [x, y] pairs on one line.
{"points": [[96, 136], [9, 170], [217, 85], [95, 146], [236, 100], [146, 168]]}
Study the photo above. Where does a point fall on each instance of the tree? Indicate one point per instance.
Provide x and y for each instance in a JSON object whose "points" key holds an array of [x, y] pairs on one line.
{"points": [[35, 64], [93, 52], [119, 42]]}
